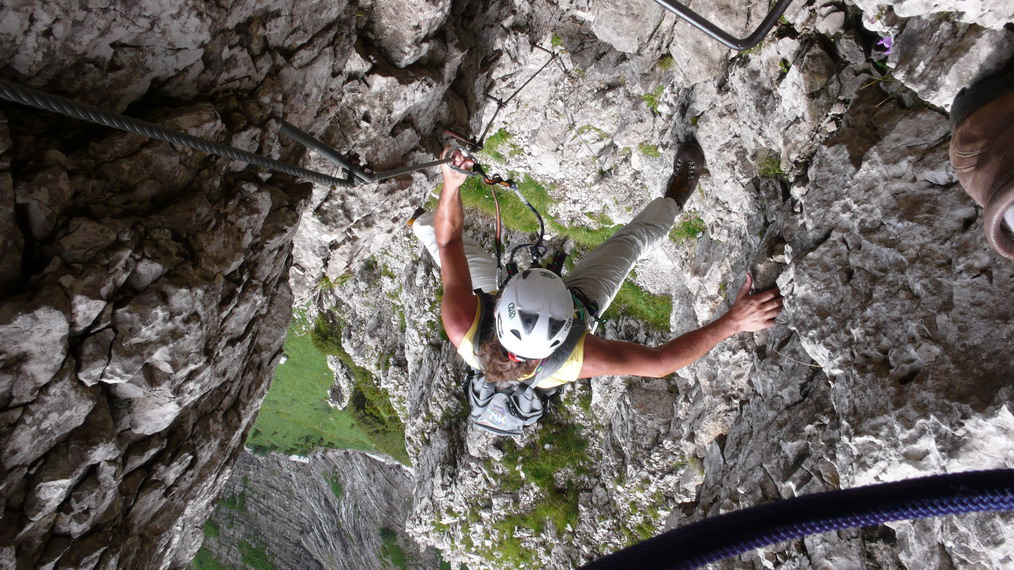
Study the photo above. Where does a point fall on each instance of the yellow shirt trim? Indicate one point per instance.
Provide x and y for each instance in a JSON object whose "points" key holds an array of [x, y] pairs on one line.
{"points": [[466, 349], [570, 369]]}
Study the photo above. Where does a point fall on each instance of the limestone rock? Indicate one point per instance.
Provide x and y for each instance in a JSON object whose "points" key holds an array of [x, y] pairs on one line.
{"points": [[356, 506], [341, 391]]}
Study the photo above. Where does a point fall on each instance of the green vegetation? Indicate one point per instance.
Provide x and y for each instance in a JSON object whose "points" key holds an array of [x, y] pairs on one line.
{"points": [[654, 98], [697, 464], [211, 529], [390, 550], [555, 41], [649, 150], [515, 214], [369, 405], [694, 120], [254, 556], [497, 144], [559, 446], [772, 168], [665, 63], [235, 502], [633, 301], [784, 66], [688, 228], [203, 560], [585, 129], [336, 484], [295, 416]]}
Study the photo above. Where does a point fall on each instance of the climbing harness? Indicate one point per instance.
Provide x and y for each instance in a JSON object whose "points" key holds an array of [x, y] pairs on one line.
{"points": [[726, 39], [356, 174], [733, 533]]}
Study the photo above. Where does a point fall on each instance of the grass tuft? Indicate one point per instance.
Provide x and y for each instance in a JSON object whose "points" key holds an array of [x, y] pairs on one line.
{"points": [[635, 302], [772, 168], [390, 550], [497, 144], [211, 529], [336, 484], [688, 228], [204, 560], [649, 150], [254, 556], [653, 98]]}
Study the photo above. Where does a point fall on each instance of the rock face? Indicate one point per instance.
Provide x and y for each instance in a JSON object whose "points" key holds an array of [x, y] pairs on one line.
{"points": [[144, 295], [351, 513], [144, 287], [827, 177]]}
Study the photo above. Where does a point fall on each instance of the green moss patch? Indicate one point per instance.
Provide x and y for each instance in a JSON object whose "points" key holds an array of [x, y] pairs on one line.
{"points": [[254, 556], [336, 484], [390, 550], [204, 560], [688, 228]]}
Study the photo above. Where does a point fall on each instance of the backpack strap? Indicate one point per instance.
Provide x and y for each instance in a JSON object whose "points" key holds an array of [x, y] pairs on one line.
{"points": [[550, 364], [487, 320]]}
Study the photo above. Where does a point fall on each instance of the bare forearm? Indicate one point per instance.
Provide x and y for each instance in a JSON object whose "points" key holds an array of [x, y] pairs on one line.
{"points": [[690, 347], [748, 313], [448, 222]]}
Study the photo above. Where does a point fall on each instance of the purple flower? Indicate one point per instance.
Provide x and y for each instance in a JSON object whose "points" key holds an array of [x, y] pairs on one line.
{"points": [[887, 43]]}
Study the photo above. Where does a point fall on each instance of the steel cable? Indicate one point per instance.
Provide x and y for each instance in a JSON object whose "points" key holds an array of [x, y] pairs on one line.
{"points": [[48, 102]]}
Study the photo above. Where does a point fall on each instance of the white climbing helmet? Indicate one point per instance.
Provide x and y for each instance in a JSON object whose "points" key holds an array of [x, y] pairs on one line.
{"points": [[534, 314]]}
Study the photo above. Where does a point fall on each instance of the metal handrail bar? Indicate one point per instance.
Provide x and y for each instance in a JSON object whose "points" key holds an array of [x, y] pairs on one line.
{"points": [[357, 175], [706, 26]]}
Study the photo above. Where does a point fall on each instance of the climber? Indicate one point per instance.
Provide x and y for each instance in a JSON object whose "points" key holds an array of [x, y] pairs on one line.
{"points": [[535, 313], [982, 152]]}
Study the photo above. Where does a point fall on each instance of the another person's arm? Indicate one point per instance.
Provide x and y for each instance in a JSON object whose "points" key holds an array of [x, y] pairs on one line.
{"points": [[748, 313], [457, 310]]}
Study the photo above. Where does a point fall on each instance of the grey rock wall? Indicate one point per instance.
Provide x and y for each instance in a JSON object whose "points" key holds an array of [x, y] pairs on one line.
{"points": [[323, 511], [144, 287]]}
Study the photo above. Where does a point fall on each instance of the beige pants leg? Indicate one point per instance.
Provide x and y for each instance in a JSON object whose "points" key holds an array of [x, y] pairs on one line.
{"points": [[481, 265], [600, 274]]}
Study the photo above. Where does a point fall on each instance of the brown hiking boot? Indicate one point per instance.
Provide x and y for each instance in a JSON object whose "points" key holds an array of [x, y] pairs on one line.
{"points": [[686, 171], [981, 152]]}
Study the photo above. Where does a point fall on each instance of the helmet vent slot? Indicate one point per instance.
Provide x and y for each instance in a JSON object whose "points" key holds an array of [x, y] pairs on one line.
{"points": [[528, 321], [555, 325]]}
